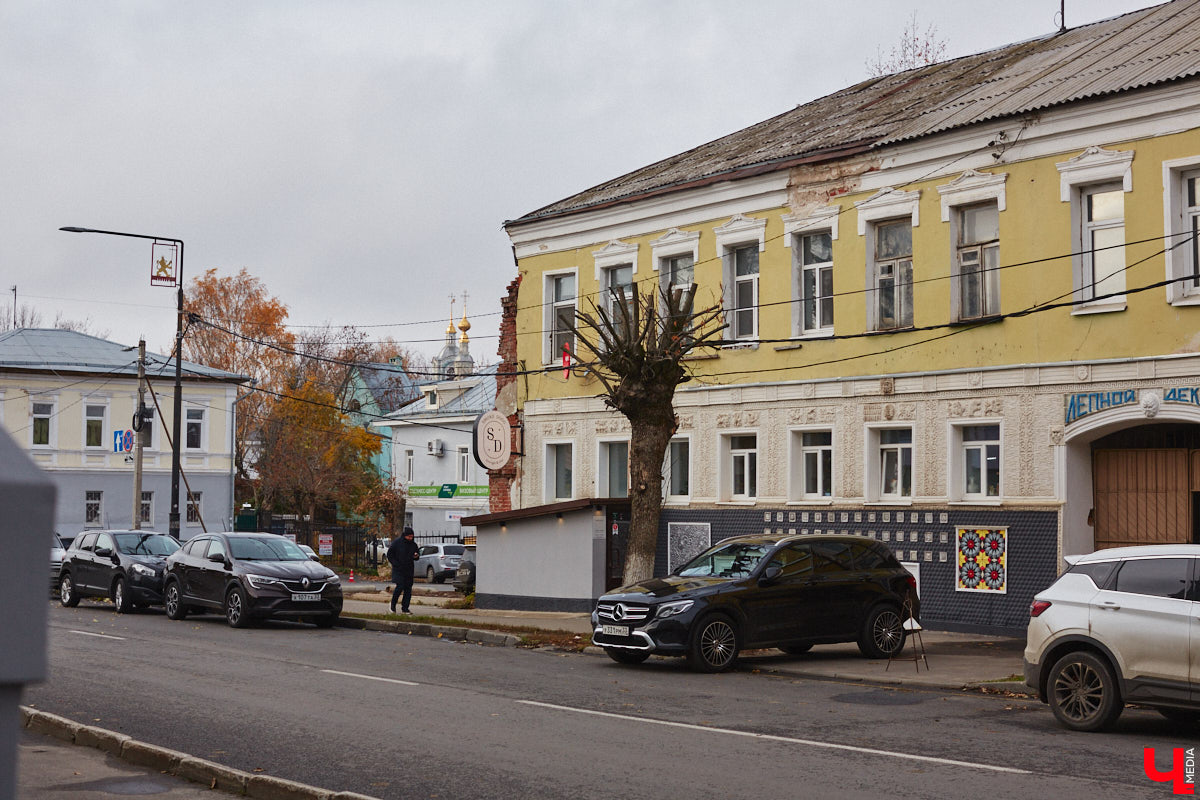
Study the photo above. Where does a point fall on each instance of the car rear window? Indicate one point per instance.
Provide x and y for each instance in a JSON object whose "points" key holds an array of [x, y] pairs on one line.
{"points": [[1098, 571], [454, 549]]}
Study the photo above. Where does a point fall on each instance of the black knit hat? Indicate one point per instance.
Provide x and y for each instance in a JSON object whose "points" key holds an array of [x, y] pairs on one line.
{"points": [[408, 532]]}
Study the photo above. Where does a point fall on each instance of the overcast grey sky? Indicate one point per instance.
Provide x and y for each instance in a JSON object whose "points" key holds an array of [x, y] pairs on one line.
{"points": [[361, 157]]}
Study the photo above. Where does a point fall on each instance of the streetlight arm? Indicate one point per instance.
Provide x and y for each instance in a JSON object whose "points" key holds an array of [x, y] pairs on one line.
{"points": [[73, 229]]}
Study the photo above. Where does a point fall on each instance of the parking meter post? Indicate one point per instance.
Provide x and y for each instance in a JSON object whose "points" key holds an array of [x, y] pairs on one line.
{"points": [[27, 498]]}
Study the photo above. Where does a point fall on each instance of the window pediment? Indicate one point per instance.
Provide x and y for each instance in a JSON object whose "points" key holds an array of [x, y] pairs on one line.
{"points": [[1095, 165], [973, 187], [888, 203]]}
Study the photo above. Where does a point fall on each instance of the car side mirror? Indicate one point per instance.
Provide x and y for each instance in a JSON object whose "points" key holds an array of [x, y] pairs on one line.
{"points": [[216, 558], [770, 575], [315, 558], [104, 552]]}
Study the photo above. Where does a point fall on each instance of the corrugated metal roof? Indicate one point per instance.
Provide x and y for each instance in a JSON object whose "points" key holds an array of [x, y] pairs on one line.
{"points": [[389, 384], [479, 396], [54, 350], [1144, 48]]}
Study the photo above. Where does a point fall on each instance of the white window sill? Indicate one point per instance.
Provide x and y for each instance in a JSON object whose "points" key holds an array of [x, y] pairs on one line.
{"points": [[824, 501], [1103, 307], [677, 500], [737, 502], [734, 344], [1186, 300], [883, 501], [966, 501]]}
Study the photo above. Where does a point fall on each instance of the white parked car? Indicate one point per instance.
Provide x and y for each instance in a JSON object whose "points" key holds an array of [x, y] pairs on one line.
{"points": [[436, 562], [375, 550], [1116, 628]]}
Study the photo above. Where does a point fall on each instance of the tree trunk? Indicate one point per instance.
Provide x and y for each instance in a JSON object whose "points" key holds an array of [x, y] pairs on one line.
{"points": [[650, 433]]}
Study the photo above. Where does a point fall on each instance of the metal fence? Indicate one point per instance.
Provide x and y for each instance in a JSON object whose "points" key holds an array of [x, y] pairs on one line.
{"points": [[351, 545]]}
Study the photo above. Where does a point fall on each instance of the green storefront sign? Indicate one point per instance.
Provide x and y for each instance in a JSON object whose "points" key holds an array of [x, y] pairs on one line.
{"points": [[448, 490]]}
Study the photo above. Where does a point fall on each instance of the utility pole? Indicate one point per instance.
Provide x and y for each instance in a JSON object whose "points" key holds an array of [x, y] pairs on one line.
{"points": [[139, 423]]}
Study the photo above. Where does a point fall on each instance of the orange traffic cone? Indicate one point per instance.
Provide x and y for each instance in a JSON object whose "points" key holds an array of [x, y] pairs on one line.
{"points": [[351, 576]]}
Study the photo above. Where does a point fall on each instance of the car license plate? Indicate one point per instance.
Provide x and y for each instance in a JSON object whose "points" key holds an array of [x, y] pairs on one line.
{"points": [[306, 596], [615, 630]]}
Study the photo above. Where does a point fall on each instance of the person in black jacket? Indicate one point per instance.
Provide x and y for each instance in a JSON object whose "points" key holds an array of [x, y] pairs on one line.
{"points": [[401, 554]]}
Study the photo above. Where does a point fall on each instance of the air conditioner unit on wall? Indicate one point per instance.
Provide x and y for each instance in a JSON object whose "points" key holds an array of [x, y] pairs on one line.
{"points": [[435, 448]]}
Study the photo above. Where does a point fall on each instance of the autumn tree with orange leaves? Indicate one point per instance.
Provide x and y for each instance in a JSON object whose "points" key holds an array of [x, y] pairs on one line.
{"points": [[240, 303]]}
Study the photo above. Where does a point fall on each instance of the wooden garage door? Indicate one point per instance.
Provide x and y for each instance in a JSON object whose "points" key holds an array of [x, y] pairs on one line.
{"points": [[1142, 497]]}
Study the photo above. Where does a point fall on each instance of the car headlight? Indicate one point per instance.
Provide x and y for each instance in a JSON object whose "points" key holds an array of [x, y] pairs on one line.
{"points": [[142, 569], [262, 581], [674, 608], [333, 578]]}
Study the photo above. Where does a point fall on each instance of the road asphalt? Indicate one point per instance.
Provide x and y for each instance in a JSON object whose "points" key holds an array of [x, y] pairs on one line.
{"points": [[61, 758]]}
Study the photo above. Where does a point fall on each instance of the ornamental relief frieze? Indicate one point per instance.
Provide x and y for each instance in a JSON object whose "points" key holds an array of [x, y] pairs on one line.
{"points": [[980, 407], [812, 416], [612, 425], [737, 419], [560, 428], [684, 422], [885, 412]]}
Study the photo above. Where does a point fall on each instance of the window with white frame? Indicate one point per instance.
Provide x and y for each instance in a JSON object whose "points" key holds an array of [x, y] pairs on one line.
{"points": [[812, 464], [559, 471], [679, 468], [980, 461], [146, 513], [93, 424], [42, 423], [1102, 233], [743, 454], [1181, 181], [674, 255], [739, 242], [93, 507], [614, 469], [1094, 183], [194, 433], [972, 203], [618, 282], [560, 306], [745, 291], [678, 273], [895, 463], [893, 276], [1191, 223], [409, 458], [193, 507], [815, 254], [977, 258], [464, 464]]}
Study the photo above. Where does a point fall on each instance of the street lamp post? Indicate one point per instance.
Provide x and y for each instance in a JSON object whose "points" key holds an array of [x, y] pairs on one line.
{"points": [[173, 520]]}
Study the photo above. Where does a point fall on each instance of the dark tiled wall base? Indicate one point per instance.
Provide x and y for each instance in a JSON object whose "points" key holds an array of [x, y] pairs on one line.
{"points": [[1032, 553]]}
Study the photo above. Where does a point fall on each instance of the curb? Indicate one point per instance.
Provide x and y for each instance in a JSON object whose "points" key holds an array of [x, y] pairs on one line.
{"points": [[173, 762], [451, 632]]}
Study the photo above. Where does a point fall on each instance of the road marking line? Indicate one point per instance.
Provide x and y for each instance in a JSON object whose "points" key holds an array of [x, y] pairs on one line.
{"points": [[99, 635], [786, 739], [370, 677]]}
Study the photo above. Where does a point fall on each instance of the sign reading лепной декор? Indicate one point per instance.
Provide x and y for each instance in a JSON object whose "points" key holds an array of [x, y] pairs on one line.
{"points": [[1081, 404]]}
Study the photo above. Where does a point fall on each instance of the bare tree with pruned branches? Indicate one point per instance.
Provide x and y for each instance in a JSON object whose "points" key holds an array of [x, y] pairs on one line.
{"points": [[638, 346]]}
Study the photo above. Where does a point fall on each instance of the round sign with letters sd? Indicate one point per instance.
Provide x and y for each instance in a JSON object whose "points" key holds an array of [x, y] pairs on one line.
{"points": [[493, 440]]}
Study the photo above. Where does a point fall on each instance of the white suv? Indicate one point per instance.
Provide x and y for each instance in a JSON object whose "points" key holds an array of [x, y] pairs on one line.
{"points": [[1120, 625]]}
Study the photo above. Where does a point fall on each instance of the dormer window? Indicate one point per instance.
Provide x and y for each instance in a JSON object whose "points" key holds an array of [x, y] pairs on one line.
{"points": [[431, 398]]}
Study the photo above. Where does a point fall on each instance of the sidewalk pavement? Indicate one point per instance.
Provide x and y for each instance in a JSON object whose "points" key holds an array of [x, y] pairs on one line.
{"points": [[111, 765]]}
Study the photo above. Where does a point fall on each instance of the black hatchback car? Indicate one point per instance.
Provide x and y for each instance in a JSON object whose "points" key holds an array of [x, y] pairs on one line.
{"points": [[762, 591], [248, 576], [124, 565]]}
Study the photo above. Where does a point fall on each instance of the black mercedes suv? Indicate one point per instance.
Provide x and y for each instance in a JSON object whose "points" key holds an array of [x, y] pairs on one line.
{"points": [[789, 592]]}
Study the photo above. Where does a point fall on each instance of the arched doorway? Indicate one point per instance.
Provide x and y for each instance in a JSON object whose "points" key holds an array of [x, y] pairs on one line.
{"points": [[1146, 485]]}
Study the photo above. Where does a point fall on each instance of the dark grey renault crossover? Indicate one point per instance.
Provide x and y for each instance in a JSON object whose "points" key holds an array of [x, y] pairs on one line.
{"points": [[789, 592], [249, 576]]}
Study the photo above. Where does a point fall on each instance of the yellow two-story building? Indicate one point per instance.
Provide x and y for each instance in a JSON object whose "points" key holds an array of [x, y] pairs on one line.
{"points": [[963, 308]]}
